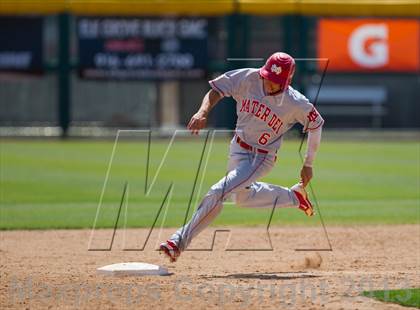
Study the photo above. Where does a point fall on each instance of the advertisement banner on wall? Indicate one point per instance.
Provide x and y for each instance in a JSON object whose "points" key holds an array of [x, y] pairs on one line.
{"points": [[21, 41], [142, 48], [369, 45]]}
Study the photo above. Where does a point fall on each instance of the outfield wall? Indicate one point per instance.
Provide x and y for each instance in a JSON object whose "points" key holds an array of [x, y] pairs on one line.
{"points": [[242, 29], [215, 7]]}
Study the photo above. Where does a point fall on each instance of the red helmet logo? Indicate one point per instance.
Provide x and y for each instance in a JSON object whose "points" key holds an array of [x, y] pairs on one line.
{"points": [[279, 69]]}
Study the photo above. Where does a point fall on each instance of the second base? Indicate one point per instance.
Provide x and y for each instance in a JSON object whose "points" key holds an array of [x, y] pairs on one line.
{"points": [[133, 269]]}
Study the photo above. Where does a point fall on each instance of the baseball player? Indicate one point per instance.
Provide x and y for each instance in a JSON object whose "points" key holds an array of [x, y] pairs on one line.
{"points": [[267, 107]]}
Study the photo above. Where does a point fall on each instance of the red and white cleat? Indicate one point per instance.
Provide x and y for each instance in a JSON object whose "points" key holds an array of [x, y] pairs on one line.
{"points": [[170, 249], [304, 204]]}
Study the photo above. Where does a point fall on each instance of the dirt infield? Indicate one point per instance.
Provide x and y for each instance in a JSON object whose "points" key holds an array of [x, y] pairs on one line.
{"points": [[54, 269]]}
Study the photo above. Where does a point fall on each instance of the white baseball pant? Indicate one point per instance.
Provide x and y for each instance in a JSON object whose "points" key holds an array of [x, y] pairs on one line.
{"points": [[244, 169]]}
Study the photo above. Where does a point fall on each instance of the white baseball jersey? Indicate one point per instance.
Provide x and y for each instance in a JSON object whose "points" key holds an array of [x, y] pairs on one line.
{"points": [[263, 119]]}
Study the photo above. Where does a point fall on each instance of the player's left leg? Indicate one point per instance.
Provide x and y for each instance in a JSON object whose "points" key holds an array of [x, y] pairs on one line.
{"points": [[265, 195]]}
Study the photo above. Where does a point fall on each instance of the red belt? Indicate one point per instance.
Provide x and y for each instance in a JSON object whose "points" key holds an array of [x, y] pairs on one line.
{"points": [[248, 147]]}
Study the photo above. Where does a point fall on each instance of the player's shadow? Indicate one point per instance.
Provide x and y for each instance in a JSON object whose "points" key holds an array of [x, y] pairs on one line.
{"points": [[266, 276]]}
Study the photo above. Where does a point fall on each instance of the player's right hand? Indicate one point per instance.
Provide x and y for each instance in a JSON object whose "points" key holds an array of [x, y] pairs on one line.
{"points": [[198, 121]]}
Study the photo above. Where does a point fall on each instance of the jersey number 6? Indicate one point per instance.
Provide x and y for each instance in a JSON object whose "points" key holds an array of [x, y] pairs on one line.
{"points": [[264, 138]]}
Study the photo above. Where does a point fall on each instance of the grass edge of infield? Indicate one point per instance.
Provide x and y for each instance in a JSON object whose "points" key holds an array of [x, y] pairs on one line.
{"points": [[395, 296]]}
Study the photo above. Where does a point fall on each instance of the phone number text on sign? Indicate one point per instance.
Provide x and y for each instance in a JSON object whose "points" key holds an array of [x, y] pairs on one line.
{"points": [[150, 48], [135, 61]]}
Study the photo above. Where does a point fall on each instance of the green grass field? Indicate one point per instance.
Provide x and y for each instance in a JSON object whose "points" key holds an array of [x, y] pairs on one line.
{"points": [[58, 184], [404, 297]]}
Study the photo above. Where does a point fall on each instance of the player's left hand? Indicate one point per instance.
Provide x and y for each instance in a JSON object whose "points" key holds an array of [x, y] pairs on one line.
{"points": [[306, 175]]}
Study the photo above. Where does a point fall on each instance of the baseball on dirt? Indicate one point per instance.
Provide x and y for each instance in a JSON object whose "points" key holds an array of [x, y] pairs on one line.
{"points": [[313, 260]]}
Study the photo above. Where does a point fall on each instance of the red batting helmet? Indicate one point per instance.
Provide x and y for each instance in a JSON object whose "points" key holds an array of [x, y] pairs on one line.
{"points": [[279, 69]]}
